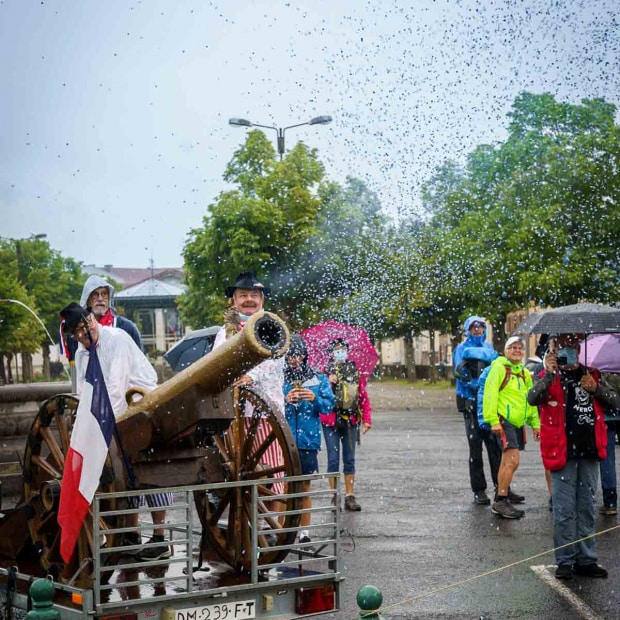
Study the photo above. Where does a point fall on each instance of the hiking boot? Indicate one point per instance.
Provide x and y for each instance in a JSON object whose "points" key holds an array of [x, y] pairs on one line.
{"points": [[564, 572], [590, 570], [159, 551], [506, 510], [351, 504], [481, 498], [608, 510], [336, 502], [515, 498]]}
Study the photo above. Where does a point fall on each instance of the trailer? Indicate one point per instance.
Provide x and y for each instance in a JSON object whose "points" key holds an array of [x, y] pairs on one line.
{"points": [[230, 461], [194, 584]]}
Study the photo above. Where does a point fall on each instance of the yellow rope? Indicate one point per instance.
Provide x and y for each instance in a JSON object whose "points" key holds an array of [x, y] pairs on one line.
{"points": [[490, 572]]}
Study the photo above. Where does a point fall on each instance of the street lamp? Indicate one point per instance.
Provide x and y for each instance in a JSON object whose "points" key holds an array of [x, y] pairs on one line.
{"points": [[317, 120]]}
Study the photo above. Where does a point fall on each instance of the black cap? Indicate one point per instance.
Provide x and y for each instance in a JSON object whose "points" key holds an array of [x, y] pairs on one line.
{"points": [[338, 342], [297, 346], [247, 280], [73, 315]]}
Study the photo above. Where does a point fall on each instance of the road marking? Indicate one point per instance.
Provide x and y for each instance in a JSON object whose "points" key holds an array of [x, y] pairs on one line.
{"points": [[546, 575]]}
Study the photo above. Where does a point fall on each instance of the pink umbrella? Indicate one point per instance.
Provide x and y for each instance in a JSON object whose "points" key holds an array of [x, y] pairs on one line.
{"points": [[361, 349], [601, 351]]}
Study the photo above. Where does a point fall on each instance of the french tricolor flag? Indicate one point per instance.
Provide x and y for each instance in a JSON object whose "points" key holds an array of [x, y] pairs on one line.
{"points": [[90, 438]]}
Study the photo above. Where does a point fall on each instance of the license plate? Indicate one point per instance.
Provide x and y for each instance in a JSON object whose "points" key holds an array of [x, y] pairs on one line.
{"points": [[239, 610]]}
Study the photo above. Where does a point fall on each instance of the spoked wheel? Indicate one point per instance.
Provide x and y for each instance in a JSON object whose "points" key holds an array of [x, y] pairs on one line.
{"points": [[44, 460], [252, 448]]}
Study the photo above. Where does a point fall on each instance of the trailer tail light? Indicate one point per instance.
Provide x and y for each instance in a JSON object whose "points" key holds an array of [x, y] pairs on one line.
{"points": [[314, 600], [120, 617]]}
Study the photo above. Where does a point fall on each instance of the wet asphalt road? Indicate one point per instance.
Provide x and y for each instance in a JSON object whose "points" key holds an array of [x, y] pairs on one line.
{"points": [[419, 536]]}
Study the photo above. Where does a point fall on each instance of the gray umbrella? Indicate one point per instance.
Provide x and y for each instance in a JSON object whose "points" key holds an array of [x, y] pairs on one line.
{"points": [[583, 318]]}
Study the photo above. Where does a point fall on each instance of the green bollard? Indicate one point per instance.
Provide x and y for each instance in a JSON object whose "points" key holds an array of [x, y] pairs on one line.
{"points": [[369, 599], [42, 595]]}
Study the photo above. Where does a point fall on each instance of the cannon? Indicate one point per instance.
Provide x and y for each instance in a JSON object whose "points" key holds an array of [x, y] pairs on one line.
{"points": [[193, 428]]}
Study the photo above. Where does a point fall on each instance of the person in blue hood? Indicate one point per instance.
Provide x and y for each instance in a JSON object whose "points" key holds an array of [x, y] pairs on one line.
{"points": [[307, 395], [469, 360]]}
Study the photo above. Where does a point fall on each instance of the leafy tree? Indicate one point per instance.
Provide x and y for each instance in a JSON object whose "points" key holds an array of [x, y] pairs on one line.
{"points": [[336, 259], [284, 221], [45, 281], [535, 218]]}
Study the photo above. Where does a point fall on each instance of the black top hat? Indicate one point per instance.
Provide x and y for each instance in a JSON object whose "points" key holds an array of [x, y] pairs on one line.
{"points": [[247, 280], [73, 315]]}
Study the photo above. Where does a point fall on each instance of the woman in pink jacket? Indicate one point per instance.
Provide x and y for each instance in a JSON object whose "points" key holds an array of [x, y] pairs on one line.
{"points": [[341, 426]]}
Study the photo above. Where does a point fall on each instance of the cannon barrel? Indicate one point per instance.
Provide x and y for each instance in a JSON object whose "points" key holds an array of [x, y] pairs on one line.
{"points": [[264, 336]]}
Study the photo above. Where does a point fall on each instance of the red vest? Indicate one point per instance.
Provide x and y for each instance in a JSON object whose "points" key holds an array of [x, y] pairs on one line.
{"points": [[553, 440]]}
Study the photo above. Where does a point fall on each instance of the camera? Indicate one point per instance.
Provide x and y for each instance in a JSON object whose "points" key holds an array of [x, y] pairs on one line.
{"points": [[562, 358]]}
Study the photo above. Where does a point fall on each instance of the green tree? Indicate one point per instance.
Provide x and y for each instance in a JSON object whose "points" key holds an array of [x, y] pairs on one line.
{"points": [[45, 281], [283, 221], [535, 218]]}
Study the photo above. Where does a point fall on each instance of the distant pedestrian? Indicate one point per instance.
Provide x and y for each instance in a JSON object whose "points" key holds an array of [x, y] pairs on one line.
{"points": [[506, 410], [469, 359], [608, 464], [573, 437]]}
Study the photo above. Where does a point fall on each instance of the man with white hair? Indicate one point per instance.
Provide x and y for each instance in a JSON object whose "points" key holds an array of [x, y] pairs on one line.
{"points": [[98, 295], [506, 410]]}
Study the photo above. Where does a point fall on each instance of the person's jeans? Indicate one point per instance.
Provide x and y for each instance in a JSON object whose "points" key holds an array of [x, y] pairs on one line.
{"points": [[573, 489], [608, 470], [476, 437], [334, 439]]}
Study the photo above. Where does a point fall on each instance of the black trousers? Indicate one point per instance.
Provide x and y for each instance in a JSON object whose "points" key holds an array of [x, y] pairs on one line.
{"points": [[476, 437]]}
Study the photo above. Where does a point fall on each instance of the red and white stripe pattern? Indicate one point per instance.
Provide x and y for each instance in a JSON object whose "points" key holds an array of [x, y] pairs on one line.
{"points": [[273, 456]]}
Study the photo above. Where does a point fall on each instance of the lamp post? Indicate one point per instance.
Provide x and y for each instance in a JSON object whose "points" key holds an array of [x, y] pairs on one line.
{"points": [[317, 120]]}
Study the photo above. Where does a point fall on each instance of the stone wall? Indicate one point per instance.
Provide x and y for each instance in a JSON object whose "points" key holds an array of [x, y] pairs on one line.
{"points": [[19, 404]]}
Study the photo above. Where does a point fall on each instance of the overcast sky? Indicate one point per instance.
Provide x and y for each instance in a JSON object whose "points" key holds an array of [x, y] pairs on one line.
{"points": [[114, 114]]}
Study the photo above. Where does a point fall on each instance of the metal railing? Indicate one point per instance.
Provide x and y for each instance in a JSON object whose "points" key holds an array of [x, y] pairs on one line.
{"points": [[304, 563]]}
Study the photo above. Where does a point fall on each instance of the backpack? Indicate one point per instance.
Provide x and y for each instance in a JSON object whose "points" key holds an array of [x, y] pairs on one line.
{"points": [[474, 361], [481, 381], [346, 395]]}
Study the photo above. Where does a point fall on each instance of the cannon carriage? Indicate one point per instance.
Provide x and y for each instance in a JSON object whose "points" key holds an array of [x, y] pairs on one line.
{"points": [[193, 428]]}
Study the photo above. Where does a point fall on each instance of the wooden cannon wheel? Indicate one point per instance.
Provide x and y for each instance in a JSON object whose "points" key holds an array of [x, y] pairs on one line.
{"points": [[44, 459], [243, 448]]}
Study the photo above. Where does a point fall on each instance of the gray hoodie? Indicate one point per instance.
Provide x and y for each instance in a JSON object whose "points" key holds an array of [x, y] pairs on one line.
{"points": [[94, 282]]}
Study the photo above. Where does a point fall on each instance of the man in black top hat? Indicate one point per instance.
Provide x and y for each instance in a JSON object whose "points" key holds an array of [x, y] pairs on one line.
{"points": [[246, 297]]}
